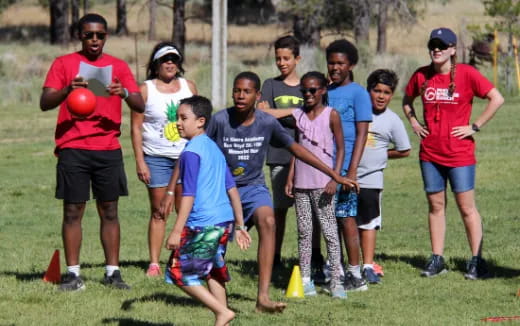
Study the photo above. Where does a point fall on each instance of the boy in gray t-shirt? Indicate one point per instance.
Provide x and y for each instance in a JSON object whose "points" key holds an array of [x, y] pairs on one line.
{"points": [[282, 92], [386, 127]]}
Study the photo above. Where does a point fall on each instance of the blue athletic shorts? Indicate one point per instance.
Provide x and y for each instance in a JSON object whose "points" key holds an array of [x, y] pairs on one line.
{"points": [[435, 177], [161, 170], [253, 197]]}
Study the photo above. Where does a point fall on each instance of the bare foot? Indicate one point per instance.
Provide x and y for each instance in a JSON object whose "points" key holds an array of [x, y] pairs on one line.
{"points": [[270, 306], [224, 318]]}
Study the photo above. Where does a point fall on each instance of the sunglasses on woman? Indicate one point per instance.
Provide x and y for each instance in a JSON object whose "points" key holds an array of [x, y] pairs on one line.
{"points": [[90, 35], [169, 57], [432, 46]]}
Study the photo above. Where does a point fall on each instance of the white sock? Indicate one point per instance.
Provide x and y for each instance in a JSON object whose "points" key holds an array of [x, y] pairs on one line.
{"points": [[306, 280], [110, 269], [73, 269], [365, 266], [355, 270]]}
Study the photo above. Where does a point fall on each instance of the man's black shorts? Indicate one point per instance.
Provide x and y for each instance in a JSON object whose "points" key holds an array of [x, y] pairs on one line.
{"points": [[77, 169]]}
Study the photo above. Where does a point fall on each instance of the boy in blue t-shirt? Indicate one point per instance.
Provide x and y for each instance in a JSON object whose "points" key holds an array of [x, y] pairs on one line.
{"points": [[205, 219], [352, 101]]}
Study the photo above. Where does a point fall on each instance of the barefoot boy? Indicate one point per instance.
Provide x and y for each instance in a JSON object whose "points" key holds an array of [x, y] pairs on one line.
{"points": [[244, 134], [205, 219]]}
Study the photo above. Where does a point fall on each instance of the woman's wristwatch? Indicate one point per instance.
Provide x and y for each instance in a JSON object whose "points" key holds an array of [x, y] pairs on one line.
{"points": [[239, 227], [475, 128]]}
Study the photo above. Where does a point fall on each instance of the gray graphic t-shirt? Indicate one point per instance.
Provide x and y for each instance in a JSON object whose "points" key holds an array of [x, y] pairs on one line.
{"points": [[279, 95], [245, 147], [384, 129]]}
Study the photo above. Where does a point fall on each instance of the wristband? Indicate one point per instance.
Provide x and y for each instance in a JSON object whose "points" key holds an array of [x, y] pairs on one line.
{"points": [[125, 95], [170, 193], [239, 227], [475, 128]]}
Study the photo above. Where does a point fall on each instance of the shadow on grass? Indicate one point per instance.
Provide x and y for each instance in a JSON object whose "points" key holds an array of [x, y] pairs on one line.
{"points": [[142, 264], [169, 299], [24, 277], [132, 322], [456, 264], [281, 273]]}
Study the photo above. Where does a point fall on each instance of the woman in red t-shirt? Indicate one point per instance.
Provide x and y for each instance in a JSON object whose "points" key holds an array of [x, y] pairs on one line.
{"points": [[447, 146]]}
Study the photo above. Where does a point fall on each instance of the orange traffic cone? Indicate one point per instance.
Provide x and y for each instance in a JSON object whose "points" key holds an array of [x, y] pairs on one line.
{"points": [[518, 293], [52, 274], [295, 288]]}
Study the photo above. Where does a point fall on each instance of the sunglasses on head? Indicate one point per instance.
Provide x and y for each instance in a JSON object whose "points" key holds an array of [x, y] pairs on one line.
{"points": [[169, 57], [437, 45], [311, 90], [90, 35]]}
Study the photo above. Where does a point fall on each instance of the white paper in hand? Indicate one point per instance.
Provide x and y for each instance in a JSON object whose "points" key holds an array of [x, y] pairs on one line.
{"points": [[98, 78]]}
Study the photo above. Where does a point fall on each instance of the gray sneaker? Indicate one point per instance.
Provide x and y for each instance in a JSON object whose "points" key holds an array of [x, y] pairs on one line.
{"points": [[308, 289], [354, 284], [435, 266], [116, 281], [71, 282]]}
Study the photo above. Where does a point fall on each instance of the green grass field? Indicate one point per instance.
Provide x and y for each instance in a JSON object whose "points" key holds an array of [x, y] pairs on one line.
{"points": [[30, 222]]}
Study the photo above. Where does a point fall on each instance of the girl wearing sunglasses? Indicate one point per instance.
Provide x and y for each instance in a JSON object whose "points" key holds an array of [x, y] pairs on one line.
{"points": [[447, 148], [319, 131], [155, 139]]}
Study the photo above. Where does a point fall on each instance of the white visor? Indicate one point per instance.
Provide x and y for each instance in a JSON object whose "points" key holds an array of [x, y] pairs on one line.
{"points": [[166, 50]]}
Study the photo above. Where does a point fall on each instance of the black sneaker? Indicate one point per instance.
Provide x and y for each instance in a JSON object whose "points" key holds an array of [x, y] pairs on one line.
{"points": [[370, 276], [318, 276], [476, 269], [116, 281], [71, 282], [435, 266], [354, 284]]}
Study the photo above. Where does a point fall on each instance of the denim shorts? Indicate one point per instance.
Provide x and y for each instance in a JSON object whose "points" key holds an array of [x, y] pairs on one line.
{"points": [[435, 177], [161, 170]]}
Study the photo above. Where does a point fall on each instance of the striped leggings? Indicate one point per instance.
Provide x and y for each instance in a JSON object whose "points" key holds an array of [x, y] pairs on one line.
{"points": [[311, 203]]}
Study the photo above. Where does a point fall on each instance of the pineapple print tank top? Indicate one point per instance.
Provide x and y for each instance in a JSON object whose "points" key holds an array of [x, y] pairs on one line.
{"points": [[160, 135]]}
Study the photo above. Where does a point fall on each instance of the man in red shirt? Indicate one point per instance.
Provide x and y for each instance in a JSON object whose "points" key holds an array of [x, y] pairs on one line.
{"points": [[88, 148]]}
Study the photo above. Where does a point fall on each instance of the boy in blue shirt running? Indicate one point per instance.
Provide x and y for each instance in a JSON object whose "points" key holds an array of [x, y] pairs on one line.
{"points": [[209, 201]]}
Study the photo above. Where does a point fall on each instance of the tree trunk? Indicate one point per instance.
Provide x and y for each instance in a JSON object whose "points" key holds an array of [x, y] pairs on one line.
{"points": [[121, 28], [59, 22], [85, 7], [152, 10], [74, 14], [179, 27], [382, 19], [306, 32], [361, 20]]}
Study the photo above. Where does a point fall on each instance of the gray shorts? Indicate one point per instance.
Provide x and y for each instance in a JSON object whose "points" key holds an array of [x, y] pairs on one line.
{"points": [[278, 180]]}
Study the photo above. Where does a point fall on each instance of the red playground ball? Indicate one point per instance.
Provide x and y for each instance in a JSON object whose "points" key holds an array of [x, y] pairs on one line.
{"points": [[81, 102]]}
